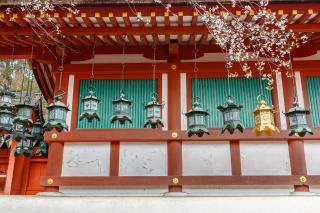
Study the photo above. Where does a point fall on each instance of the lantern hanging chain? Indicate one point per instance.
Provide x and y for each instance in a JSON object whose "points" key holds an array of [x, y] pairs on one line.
{"points": [[228, 77], [261, 83], [154, 72], [29, 84], [61, 65], [195, 69], [122, 68], [295, 98], [31, 57], [93, 62]]}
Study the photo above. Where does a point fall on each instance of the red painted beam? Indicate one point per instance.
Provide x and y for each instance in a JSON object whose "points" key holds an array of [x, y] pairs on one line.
{"points": [[183, 180], [149, 135]]}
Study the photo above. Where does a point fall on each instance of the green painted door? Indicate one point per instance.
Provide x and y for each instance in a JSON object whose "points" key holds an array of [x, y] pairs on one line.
{"points": [[137, 91], [313, 84], [212, 92]]}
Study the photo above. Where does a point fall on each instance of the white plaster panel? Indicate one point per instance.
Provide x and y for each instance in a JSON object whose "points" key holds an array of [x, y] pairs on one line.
{"points": [[143, 159], [312, 156], [70, 99], [205, 158], [229, 191], [183, 100], [283, 120], [265, 158], [299, 88], [103, 190], [86, 159], [165, 101]]}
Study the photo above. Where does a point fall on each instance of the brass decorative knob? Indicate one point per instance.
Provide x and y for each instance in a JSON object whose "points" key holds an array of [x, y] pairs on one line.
{"points": [[173, 66], [50, 181], [174, 135], [175, 180], [54, 136], [303, 179]]}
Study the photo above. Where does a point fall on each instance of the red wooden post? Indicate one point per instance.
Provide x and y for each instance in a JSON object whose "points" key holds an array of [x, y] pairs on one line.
{"points": [[114, 158], [298, 162], [235, 157], [54, 165]]}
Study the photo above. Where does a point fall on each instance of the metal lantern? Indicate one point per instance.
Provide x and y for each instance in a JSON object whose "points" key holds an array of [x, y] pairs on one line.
{"points": [[121, 109], [264, 119], [24, 146], [231, 116], [6, 118], [153, 113], [24, 114], [90, 107], [37, 132], [57, 115], [197, 120], [6, 100], [19, 129], [43, 149], [298, 120]]}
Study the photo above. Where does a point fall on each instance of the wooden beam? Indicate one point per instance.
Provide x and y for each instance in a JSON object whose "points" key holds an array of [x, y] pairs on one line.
{"points": [[183, 180]]}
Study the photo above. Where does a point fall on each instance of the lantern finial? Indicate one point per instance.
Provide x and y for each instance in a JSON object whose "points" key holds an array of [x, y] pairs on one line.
{"points": [[231, 116]]}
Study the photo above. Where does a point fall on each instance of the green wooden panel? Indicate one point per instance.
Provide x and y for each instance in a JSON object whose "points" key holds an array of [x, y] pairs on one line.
{"points": [[137, 91], [313, 84], [212, 92]]}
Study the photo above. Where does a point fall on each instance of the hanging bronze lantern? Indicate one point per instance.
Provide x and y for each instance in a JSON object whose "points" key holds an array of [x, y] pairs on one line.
{"points": [[121, 110], [57, 115], [37, 132], [264, 119], [90, 107], [231, 116], [6, 100], [43, 149], [298, 120], [197, 122], [24, 146], [6, 118], [153, 114], [24, 113]]}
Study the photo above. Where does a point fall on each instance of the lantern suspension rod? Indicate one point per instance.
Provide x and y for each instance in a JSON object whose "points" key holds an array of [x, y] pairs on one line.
{"points": [[123, 67], [31, 57], [195, 69], [154, 71], [228, 73], [93, 62], [295, 98], [261, 83], [61, 65]]}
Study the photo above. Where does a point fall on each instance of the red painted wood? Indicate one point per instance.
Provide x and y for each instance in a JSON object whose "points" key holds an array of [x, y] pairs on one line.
{"points": [[183, 180], [235, 157], [114, 158], [298, 162], [54, 164]]}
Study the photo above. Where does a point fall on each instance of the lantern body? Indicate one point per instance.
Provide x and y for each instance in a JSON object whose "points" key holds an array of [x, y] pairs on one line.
{"points": [[231, 117], [298, 120], [24, 114], [37, 132], [90, 107], [197, 121], [43, 149], [6, 100], [264, 119], [153, 109], [57, 115], [6, 119], [121, 110], [24, 146]]}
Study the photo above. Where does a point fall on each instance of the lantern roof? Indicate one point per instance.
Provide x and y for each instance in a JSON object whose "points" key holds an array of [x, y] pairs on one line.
{"points": [[296, 108], [58, 103], [196, 107], [91, 95], [230, 104], [153, 102], [121, 99], [263, 106]]}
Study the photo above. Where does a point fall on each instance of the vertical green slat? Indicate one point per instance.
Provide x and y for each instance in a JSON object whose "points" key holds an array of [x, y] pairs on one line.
{"points": [[313, 84], [213, 91], [137, 91]]}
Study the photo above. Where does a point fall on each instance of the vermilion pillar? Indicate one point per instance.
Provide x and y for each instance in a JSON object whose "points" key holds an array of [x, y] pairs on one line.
{"points": [[298, 162], [54, 164], [174, 124]]}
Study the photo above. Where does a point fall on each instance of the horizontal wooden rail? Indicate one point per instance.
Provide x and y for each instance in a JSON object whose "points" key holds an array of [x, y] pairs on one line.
{"points": [[179, 180], [149, 135]]}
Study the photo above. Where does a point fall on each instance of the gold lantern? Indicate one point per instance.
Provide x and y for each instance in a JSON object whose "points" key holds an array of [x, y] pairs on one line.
{"points": [[264, 119]]}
